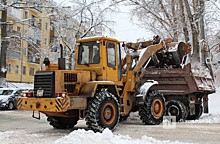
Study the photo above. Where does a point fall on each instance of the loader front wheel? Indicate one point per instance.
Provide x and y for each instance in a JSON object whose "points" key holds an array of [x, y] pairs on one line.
{"points": [[176, 108], [153, 110], [62, 122], [102, 111]]}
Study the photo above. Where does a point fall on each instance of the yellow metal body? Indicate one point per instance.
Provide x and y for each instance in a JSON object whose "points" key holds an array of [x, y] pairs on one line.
{"points": [[52, 104]]}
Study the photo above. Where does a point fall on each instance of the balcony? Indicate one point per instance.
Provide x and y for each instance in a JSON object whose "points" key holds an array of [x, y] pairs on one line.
{"points": [[34, 51], [32, 59], [13, 33], [14, 13], [14, 54], [35, 3], [34, 33]]}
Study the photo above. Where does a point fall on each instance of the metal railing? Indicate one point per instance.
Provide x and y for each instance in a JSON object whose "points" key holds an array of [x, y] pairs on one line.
{"points": [[4, 83]]}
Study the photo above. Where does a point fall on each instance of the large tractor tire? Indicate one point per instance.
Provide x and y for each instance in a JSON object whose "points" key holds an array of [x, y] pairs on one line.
{"points": [[198, 113], [153, 110], [176, 108], [102, 112], [62, 122]]}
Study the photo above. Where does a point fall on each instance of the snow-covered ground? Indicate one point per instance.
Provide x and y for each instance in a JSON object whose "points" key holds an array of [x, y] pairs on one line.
{"points": [[82, 136]]}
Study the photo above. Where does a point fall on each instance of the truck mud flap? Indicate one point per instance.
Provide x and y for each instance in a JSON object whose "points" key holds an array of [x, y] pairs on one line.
{"points": [[205, 104]]}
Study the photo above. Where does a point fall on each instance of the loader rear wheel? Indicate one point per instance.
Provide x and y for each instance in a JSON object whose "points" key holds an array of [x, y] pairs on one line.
{"points": [[62, 122], [102, 112], [198, 111], [153, 110], [176, 108]]}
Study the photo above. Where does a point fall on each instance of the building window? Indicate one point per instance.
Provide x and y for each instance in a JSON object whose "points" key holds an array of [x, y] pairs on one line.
{"points": [[24, 51], [33, 20], [16, 69], [18, 29], [31, 72], [25, 15], [46, 26], [9, 68], [40, 23], [24, 70], [45, 41], [25, 33]]}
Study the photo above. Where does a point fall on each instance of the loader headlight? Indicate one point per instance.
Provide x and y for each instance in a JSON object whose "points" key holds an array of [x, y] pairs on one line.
{"points": [[61, 95], [27, 94]]}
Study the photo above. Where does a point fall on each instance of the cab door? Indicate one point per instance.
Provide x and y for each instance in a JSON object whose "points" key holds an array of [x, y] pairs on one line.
{"points": [[112, 69]]}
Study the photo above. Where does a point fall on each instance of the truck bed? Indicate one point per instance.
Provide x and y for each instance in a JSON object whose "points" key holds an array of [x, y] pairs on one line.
{"points": [[180, 81]]}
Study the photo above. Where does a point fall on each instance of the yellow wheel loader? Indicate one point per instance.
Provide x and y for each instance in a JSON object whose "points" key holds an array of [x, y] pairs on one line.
{"points": [[103, 88]]}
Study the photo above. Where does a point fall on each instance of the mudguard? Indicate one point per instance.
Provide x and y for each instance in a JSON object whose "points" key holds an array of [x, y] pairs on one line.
{"points": [[146, 87]]}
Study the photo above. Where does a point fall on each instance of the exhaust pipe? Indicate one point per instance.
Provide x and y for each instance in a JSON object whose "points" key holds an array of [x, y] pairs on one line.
{"points": [[61, 60]]}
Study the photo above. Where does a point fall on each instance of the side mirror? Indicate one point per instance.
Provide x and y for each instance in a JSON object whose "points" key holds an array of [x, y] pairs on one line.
{"points": [[46, 61]]}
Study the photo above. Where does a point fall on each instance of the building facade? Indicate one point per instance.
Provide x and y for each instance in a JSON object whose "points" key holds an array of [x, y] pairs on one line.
{"points": [[35, 31], [28, 38]]}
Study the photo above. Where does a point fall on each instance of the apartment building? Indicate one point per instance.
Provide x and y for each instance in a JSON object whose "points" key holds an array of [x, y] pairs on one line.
{"points": [[28, 38], [35, 33]]}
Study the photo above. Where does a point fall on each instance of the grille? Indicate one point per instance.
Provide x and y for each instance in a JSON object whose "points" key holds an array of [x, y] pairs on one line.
{"points": [[70, 80], [46, 82], [70, 77]]}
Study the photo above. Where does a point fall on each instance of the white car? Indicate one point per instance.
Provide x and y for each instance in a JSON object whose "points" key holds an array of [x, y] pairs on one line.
{"points": [[8, 97]]}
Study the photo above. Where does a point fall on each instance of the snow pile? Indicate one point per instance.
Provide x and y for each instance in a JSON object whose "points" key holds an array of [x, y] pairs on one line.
{"points": [[214, 101], [207, 118], [80, 136], [106, 137]]}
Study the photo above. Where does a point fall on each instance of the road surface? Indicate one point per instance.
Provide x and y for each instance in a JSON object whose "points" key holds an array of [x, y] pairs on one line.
{"points": [[39, 131]]}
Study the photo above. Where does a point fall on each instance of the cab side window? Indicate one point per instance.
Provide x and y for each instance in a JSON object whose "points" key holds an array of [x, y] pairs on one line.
{"points": [[111, 54]]}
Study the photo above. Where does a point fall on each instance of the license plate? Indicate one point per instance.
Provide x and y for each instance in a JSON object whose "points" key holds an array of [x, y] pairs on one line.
{"points": [[40, 93]]}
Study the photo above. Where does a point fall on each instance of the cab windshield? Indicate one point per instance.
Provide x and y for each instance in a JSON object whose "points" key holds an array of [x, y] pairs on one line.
{"points": [[89, 53]]}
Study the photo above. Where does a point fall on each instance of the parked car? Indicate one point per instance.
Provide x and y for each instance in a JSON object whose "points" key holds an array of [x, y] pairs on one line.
{"points": [[8, 97]]}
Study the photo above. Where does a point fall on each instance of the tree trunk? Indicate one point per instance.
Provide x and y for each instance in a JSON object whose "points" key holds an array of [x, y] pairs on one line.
{"points": [[194, 31], [202, 27], [3, 42], [174, 25], [183, 21], [203, 51]]}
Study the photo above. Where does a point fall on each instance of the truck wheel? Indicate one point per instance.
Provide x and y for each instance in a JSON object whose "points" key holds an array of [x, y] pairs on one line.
{"points": [[62, 123], [198, 111], [176, 108], [102, 111], [123, 118], [153, 110]]}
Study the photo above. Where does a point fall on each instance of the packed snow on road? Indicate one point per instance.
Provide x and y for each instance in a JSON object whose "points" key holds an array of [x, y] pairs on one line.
{"points": [[83, 136]]}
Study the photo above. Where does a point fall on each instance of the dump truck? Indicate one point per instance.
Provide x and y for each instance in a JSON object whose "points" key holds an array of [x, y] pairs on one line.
{"points": [[103, 88], [185, 88]]}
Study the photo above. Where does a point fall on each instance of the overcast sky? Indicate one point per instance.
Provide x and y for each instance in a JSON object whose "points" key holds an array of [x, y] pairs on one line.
{"points": [[124, 29]]}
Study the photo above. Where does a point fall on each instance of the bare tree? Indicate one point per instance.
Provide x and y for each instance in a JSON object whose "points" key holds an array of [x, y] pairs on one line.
{"points": [[187, 20], [85, 18], [183, 21], [3, 43]]}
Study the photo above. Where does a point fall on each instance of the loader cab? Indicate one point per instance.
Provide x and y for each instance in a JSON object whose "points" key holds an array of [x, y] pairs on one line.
{"points": [[100, 55]]}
